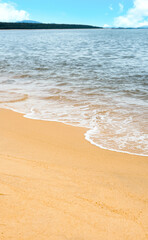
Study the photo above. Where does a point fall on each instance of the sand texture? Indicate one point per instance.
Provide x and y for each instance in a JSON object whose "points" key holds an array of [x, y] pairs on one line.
{"points": [[54, 185]]}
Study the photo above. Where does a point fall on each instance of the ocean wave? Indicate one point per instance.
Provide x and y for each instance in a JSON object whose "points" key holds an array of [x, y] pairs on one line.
{"points": [[12, 97]]}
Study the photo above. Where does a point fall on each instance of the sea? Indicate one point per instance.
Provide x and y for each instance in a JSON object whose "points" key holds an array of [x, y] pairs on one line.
{"points": [[96, 78]]}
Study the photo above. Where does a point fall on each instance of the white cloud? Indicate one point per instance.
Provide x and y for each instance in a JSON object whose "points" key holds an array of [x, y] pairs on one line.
{"points": [[105, 25], [135, 16], [121, 7], [111, 8], [8, 12]]}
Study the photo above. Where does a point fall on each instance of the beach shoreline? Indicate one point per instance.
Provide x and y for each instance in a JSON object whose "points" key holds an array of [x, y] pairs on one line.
{"points": [[56, 185]]}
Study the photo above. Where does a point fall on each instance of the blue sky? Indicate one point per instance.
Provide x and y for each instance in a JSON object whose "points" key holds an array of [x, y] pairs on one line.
{"points": [[95, 12]]}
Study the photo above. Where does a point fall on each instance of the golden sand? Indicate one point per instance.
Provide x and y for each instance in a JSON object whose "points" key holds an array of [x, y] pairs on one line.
{"points": [[54, 185]]}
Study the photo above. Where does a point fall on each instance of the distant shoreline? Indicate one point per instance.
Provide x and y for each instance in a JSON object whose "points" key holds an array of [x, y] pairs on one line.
{"points": [[44, 26]]}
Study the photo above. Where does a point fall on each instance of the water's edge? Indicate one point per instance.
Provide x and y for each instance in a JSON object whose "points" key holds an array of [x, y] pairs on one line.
{"points": [[86, 135], [98, 82]]}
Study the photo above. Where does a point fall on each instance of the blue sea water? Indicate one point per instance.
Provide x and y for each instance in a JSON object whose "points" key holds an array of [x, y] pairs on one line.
{"points": [[96, 79]]}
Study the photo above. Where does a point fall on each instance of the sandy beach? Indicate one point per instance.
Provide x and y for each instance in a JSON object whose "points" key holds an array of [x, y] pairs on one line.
{"points": [[54, 185]]}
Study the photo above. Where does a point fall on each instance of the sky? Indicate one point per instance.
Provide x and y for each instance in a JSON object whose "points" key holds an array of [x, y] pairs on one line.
{"points": [[106, 13]]}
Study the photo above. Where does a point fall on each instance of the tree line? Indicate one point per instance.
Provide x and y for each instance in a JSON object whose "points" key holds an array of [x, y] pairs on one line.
{"points": [[7, 25]]}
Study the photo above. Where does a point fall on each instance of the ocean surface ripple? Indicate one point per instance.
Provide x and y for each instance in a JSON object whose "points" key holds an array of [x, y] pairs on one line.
{"points": [[96, 79]]}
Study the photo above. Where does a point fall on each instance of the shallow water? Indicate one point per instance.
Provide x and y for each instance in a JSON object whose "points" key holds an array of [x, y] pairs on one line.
{"points": [[92, 78]]}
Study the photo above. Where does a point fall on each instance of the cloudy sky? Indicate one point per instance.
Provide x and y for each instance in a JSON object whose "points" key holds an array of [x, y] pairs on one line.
{"points": [[118, 13]]}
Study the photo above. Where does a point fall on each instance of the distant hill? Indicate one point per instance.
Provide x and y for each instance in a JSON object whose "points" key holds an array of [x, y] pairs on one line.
{"points": [[30, 25], [28, 21], [122, 28], [143, 27]]}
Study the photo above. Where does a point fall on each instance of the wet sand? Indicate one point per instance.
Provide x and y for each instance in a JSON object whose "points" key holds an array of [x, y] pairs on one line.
{"points": [[54, 185]]}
